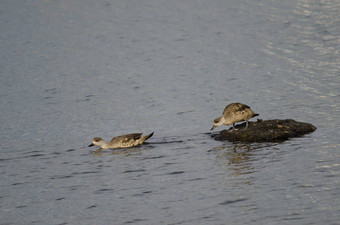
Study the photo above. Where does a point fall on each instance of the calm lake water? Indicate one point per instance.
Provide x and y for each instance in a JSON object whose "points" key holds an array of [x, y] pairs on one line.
{"points": [[73, 70]]}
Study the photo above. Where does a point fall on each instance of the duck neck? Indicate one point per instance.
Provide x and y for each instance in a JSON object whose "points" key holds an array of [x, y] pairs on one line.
{"points": [[221, 121], [104, 145]]}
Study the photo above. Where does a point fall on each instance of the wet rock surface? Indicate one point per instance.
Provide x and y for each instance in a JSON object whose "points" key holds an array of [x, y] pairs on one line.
{"points": [[265, 131]]}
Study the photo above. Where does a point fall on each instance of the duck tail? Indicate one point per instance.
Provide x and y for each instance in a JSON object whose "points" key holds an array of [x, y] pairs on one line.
{"points": [[256, 114], [144, 138]]}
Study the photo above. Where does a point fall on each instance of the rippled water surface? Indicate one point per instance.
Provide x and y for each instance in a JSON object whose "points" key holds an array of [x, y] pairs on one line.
{"points": [[73, 70]]}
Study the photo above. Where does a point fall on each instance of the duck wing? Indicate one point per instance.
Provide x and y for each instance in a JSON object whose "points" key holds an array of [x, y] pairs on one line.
{"points": [[234, 107], [127, 137]]}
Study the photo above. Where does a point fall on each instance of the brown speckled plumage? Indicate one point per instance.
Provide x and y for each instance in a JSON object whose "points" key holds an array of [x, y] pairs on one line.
{"points": [[123, 141], [233, 113]]}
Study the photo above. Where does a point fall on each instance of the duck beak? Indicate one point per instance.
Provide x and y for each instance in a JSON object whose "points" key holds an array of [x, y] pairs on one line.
{"points": [[91, 145], [213, 127]]}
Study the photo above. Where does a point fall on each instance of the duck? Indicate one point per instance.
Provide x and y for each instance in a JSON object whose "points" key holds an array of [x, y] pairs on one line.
{"points": [[233, 113], [123, 141]]}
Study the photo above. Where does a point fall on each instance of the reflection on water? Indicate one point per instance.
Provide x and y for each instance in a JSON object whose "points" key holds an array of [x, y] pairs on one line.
{"points": [[238, 159], [241, 161], [123, 152]]}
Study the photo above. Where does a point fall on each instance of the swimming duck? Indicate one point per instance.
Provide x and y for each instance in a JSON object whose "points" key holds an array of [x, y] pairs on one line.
{"points": [[123, 141]]}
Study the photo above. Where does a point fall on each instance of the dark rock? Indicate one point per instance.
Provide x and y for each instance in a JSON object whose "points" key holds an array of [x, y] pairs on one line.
{"points": [[265, 131]]}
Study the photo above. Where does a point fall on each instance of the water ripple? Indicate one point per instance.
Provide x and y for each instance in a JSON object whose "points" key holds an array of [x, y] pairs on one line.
{"points": [[228, 202]]}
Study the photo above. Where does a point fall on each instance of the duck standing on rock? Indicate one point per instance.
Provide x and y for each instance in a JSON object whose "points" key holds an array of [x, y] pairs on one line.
{"points": [[233, 113]]}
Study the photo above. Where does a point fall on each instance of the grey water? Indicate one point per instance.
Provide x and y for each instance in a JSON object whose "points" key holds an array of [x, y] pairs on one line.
{"points": [[74, 70]]}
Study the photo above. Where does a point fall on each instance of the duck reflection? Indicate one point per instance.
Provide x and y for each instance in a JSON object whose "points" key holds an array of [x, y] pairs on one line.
{"points": [[238, 159], [122, 152]]}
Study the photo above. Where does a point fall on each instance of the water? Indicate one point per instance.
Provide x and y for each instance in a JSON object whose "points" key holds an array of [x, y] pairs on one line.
{"points": [[73, 70]]}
